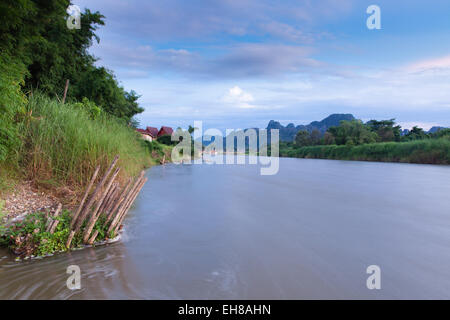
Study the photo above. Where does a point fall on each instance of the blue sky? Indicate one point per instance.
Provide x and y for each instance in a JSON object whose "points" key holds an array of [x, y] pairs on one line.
{"points": [[240, 63]]}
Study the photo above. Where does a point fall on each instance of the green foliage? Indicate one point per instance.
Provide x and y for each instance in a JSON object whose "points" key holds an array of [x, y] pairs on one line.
{"points": [[302, 138], [63, 143], [305, 138], [12, 104], [385, 129], [167, 140], [432, 151], [40, 242], [352, 133], [90, 107], [36, 34], [416, 133], [444, 133]]}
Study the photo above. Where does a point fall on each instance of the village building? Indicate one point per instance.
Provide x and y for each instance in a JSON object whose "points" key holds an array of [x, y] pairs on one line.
{"points": [[165, 131], [151, 133]]}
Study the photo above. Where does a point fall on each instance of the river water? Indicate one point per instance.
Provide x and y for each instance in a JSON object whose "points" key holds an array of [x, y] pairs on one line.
{"points": [[226, 232]]}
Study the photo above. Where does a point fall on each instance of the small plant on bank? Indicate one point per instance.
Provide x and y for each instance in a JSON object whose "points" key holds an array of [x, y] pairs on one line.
{"points": [[30, 237]]}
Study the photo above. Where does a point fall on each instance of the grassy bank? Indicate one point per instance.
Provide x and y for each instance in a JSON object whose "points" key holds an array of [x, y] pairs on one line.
{"points": [[61, 145], [429, 151], [58, 147]]}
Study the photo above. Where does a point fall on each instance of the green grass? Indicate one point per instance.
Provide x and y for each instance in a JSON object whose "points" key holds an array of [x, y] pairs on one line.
{"points": [[158, 151], [62, 144], [429, 151]]}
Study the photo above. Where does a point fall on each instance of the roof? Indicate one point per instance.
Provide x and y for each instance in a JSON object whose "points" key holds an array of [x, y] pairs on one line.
{"points": [[142, 131], [152, 131], [165, 130]]}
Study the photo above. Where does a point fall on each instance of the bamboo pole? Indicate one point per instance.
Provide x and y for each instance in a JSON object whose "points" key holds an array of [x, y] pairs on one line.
{"points": [[96, 213], [88, 206], [74, 218], [51, 219], [112, 200], [108, 198], [127, 209], [69, 240], [125, 202], [55, 222], [92, 239], [120, 200]]}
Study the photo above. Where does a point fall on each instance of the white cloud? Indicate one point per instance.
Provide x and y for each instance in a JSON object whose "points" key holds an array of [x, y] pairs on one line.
{"points": [[239, 98], [430, 64]]}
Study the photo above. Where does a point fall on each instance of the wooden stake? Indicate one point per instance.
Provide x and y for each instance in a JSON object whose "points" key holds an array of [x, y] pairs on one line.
{"points": [[127, 209], [69, 240], [125, 202], [112, 199], [55, 222], [65, 91], [108, 198], [92, 239], [86, 209], [74, 218], [96, 213], [119, 200], [51, 221]]}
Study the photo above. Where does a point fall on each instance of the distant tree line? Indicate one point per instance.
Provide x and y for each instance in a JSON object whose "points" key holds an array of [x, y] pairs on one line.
{"points": [[355, 132]]}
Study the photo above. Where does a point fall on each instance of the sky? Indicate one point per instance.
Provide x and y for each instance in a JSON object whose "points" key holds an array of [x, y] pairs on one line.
{"points": [[240, 63]]}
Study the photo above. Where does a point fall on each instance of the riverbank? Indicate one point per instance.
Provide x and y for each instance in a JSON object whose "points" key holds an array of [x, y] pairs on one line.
{"points": [[429, 151], [60, 148]]}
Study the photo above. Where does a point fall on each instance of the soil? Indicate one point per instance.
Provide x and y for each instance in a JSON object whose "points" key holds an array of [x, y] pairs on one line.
{"points": [[25, 199]]}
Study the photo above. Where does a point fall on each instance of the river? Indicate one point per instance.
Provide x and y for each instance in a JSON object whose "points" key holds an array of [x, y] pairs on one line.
{"points": [[226, 232]]}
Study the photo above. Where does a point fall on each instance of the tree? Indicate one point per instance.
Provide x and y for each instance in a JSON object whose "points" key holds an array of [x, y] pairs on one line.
{"points": [[416, 133], [315, 137], [353, 132], [385, 129], [35, 33], [328, 138], [302, 138]]}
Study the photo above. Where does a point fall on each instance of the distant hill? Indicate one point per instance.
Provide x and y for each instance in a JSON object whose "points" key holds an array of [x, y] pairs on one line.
{"points": [[436, 129], [288, 133]]}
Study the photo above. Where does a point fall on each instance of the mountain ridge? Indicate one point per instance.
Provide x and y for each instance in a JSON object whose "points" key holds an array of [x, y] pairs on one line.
{"points": [[287, 133]]}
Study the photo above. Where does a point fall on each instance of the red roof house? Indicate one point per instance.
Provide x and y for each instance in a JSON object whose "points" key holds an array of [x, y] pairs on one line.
{"points": [[148, 134], [165, 131], [152, 131]]}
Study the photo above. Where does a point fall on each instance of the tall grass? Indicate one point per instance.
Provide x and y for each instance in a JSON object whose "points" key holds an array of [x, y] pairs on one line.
{"points": [[62, 144], [430, 151]]}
